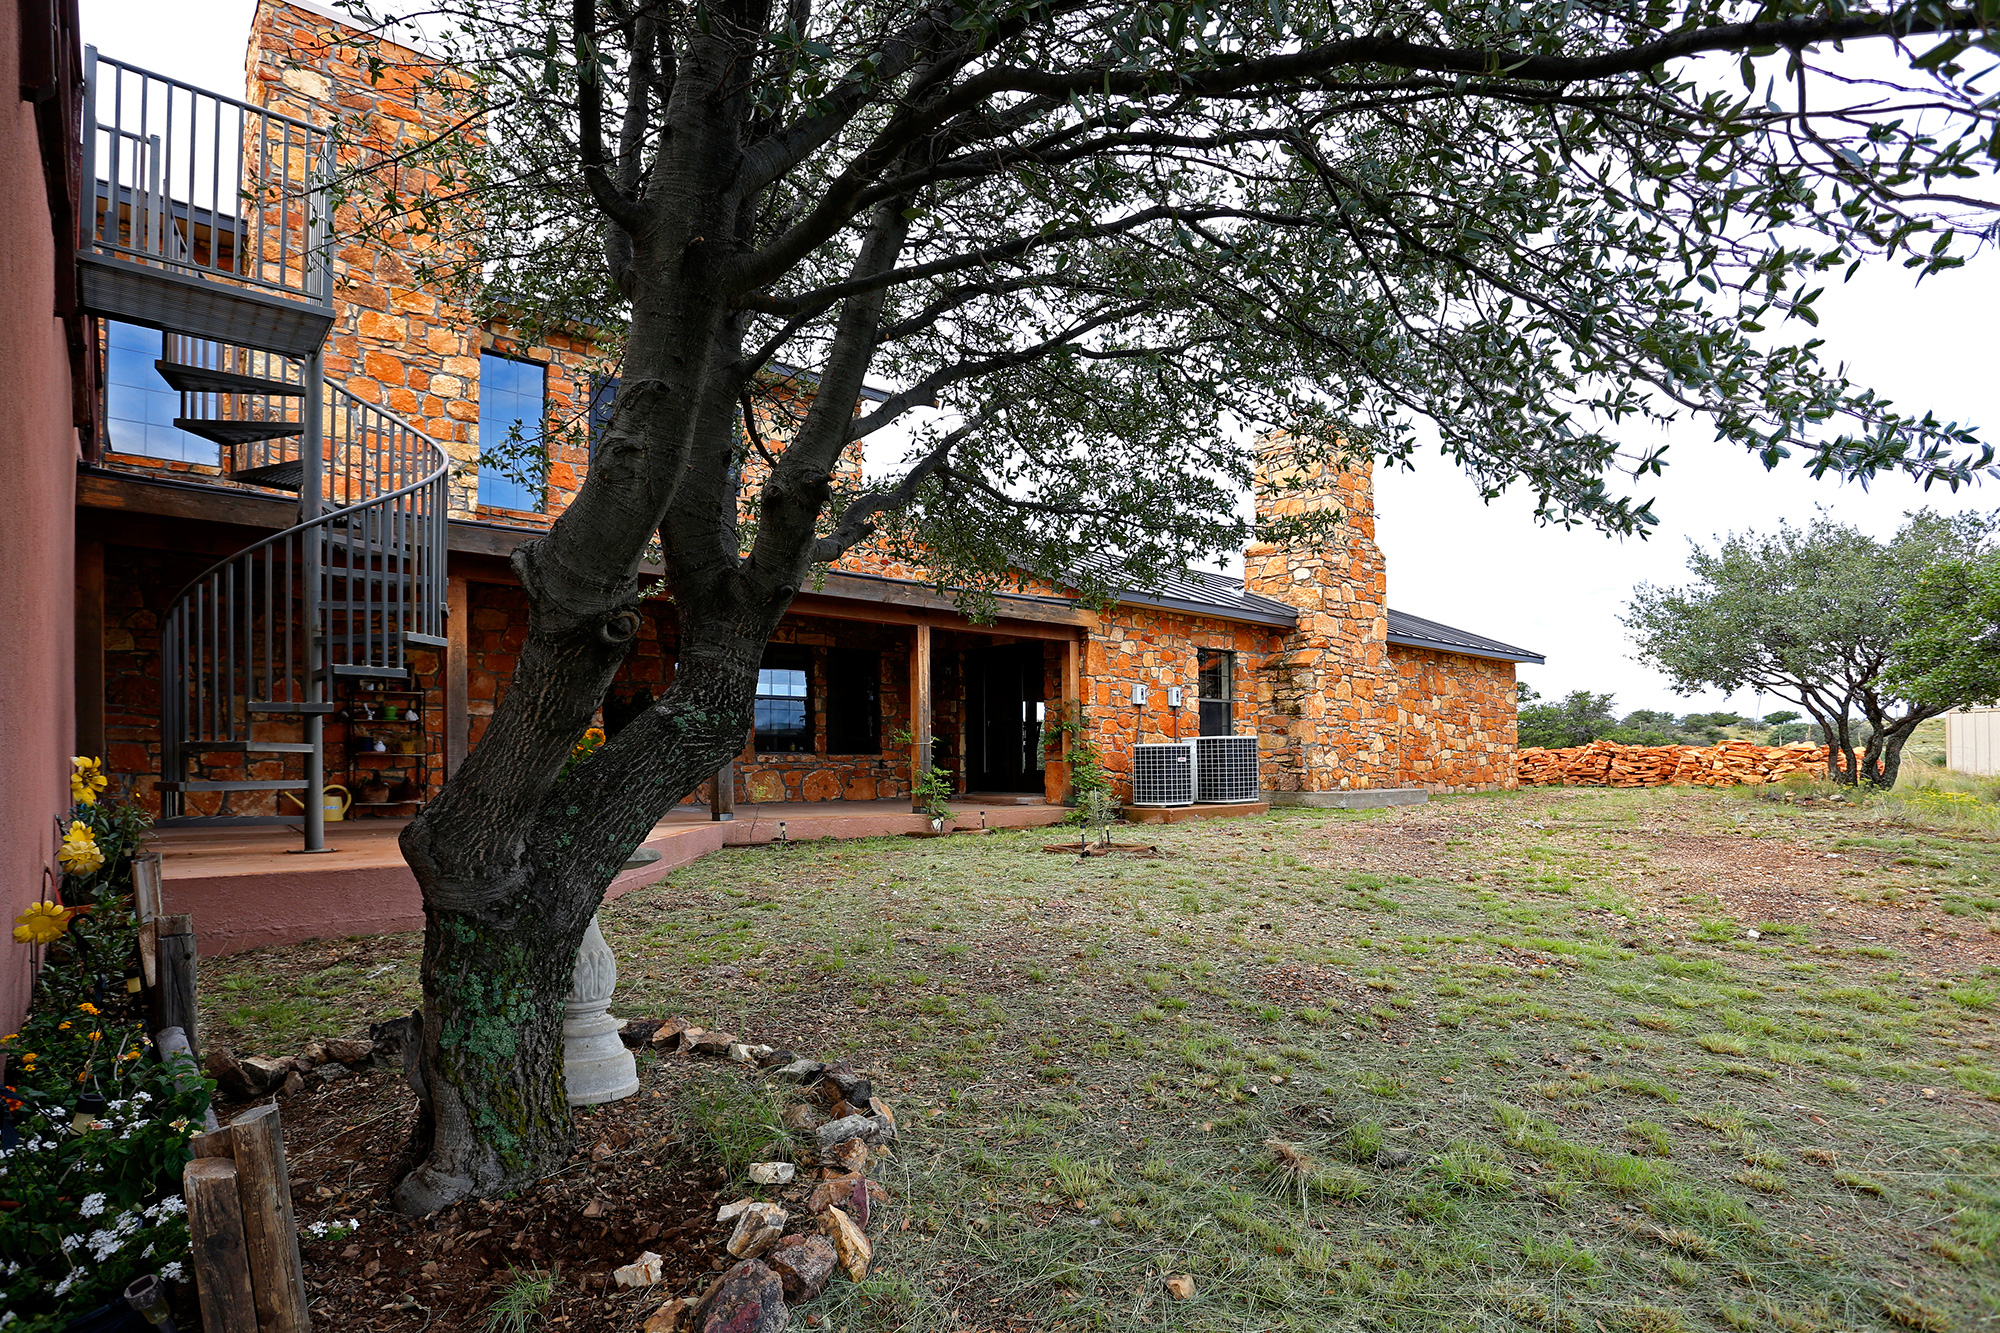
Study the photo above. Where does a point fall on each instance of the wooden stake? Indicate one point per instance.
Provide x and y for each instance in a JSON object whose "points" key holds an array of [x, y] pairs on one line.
{"points": [[172, 1003], [277, 1273], [220, 1254]]}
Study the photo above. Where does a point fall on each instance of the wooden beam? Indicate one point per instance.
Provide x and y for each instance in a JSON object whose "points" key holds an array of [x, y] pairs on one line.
{"points": [[129, 493], [90, 649], [457, 655], [920, 707], [922, 597], [884, 613]]}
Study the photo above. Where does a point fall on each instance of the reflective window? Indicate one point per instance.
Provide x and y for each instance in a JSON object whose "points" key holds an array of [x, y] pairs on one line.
{"points": [[139, 406], [784, 703], [511, 393], [1216, 689]]}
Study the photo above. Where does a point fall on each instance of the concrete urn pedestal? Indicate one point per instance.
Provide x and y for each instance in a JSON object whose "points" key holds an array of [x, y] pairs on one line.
{"points": [[596, 1066]]}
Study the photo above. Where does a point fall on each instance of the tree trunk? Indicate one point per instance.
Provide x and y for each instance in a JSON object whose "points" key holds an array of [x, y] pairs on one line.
{"points": [[492, 1110]]}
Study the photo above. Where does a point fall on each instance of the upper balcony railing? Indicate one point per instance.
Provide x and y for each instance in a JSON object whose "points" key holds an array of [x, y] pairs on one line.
{"points": [[206, 215]]}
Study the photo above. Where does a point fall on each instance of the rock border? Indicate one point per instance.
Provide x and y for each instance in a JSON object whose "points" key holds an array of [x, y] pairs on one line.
{"points": [[783, 1260]]}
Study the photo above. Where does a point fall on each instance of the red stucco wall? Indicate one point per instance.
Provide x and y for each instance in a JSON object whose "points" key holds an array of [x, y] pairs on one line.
{"points": [[37, 546]]}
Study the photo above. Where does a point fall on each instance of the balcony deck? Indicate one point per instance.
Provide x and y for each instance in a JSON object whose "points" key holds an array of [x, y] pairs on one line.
{"points": [[247, 889]]}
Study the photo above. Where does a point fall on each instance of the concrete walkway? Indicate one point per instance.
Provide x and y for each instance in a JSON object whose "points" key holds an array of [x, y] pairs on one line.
{"points": [[247, 888]]}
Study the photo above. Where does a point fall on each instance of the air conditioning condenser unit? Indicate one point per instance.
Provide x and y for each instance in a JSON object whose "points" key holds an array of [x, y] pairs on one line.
{"points": [[1163, 774]]}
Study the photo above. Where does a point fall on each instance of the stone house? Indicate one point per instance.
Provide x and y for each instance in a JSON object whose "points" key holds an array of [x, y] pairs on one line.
{"points": [[258, 618]]}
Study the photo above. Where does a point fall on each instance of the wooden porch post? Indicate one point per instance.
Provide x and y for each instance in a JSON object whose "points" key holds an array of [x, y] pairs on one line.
{"points": [[920, 708], [722, 793], [1072, 709], [457, 703]]}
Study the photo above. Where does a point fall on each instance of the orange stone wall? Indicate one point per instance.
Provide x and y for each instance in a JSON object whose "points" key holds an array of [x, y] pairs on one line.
{"points": [[1157, 648], [409, 347], [1455, 720]]}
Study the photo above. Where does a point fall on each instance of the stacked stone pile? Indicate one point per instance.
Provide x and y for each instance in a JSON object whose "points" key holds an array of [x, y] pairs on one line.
{"points": [[1608, 764], [785, 1255]]}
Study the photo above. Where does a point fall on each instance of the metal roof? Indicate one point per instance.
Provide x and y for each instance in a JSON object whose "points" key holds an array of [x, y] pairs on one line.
{"points": [[1416, 632], [1202, 593], [1205, 593]]}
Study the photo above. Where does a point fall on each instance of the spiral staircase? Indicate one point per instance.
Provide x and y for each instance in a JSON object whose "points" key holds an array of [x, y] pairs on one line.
{"points": [[210, 225]]}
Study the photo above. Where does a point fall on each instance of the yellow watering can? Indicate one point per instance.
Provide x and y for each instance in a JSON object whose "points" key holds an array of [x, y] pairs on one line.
{"points": [[334, 809]]}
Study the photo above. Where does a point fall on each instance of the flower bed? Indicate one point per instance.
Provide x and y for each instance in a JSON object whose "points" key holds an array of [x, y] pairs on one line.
{"points": [[94, 1133]]}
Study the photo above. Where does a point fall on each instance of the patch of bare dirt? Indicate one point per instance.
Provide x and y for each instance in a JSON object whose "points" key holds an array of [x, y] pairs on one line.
{"points": [[631, 1187]]}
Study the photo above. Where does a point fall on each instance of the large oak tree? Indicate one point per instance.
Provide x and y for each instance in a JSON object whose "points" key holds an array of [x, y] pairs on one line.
{"points": [[1111, 241]]}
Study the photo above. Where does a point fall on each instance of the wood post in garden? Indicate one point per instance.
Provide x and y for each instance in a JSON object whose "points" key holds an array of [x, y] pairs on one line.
{"points": [[147, 903], [170, 1001], [220, 1254], [261, 1229]]}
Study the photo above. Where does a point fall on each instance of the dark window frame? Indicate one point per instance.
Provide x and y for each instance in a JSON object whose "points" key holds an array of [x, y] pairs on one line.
{"points": [[1216, 710], [784, 658], [853, 719]]}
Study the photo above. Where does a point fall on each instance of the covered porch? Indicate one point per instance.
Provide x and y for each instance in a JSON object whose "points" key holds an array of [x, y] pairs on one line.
{"points": [[247, 888]]}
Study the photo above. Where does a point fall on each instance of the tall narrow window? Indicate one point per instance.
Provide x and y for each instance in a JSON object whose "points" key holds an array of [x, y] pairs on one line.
{"points": [[784, 702], [1216, 691], [139, 406], [853, 701], [512, 404]]}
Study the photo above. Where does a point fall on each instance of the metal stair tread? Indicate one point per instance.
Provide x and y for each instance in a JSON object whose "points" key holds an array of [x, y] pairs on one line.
{"points": [[274, 747], [201, 785], [207, 379], [366, 670], [289, 475], [238, 432], [286, 707]]}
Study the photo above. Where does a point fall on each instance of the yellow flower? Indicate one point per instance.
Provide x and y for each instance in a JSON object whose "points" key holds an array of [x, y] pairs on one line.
{"points": [[88, 1008], [79, 852], [129, 1055], [95, 1036], [41, 923], [86, 779], [63, 1026]]}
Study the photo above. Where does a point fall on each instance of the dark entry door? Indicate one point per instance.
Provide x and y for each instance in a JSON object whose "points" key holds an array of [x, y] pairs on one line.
{"points": [[1003, 687]]}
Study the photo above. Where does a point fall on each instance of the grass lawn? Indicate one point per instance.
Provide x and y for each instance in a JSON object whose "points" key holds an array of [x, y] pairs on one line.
{"points": [[1503, 1061]]}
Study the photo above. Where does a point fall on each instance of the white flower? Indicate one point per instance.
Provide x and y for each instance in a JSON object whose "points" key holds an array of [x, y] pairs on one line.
{"points": [[69, 1280], [70, 1242], [172, 1271], [92, 1205]]}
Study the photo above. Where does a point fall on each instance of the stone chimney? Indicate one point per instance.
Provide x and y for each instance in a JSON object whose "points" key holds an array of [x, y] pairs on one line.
{"points": [[1330, 698]]}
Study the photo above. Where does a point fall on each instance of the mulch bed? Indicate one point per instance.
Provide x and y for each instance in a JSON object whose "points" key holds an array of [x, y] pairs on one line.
{"points": [[633, 1186]]}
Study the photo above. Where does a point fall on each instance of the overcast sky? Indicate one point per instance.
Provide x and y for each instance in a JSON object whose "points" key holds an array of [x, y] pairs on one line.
{"points": [[1489, 568]]}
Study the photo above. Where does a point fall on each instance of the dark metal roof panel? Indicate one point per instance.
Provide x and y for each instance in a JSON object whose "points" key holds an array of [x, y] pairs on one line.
{"points": [[1416, 632]]}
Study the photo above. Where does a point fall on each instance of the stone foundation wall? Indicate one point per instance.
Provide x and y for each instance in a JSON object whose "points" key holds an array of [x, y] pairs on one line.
{"points": [[1455, 720]]}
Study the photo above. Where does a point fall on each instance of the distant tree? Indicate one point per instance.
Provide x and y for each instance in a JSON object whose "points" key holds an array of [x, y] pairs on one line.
{"points": [[1815, 615], [1578, 719], [1782, 716], [1710, 721], [1649, 717], [1951, 654]]}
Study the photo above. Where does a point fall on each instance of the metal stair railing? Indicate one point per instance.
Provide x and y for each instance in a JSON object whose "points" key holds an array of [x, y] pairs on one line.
{"points": [[205, 190], [346, 592]]}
